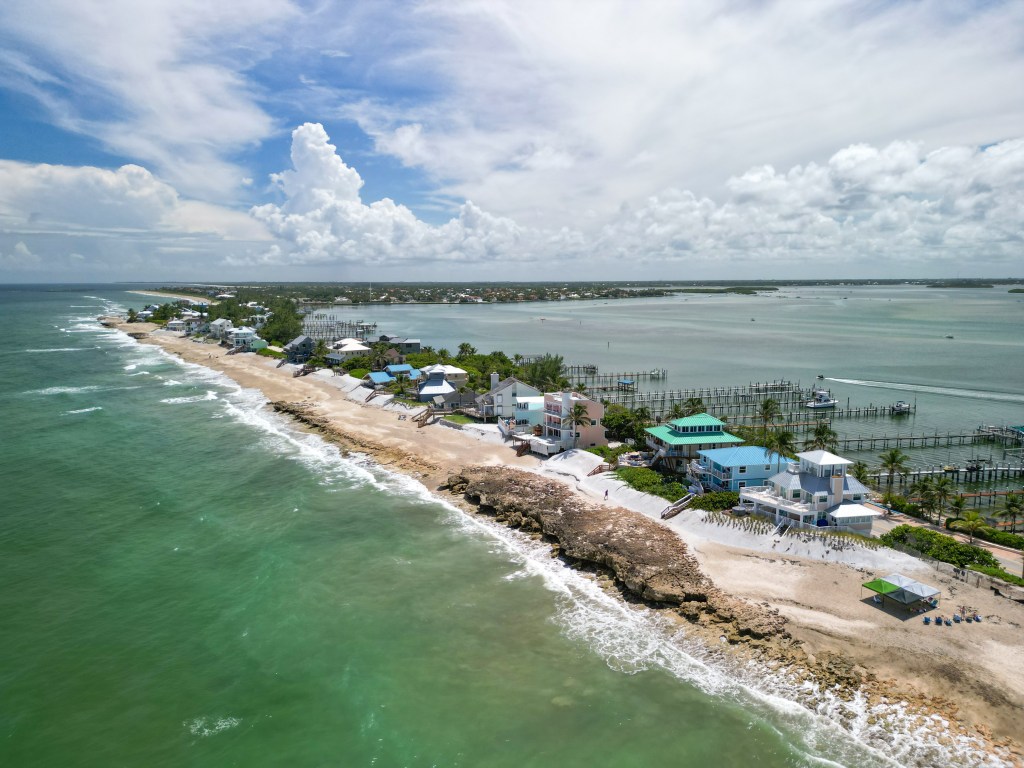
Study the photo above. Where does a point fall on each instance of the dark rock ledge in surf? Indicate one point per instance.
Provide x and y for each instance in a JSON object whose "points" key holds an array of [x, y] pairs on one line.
{"points": [[648, 559]]}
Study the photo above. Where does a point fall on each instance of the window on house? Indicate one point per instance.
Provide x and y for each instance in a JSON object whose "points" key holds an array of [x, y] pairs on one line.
{"points": [[796, 494], [767, 467], [742, 470], [741, 484]]}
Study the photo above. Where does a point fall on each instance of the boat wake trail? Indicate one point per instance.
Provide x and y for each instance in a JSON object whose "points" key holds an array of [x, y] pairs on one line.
{"points": [[976, 394]]}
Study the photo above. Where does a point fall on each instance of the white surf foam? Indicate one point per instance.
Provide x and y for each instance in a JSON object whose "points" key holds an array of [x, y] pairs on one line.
{"points": [[210, 726], [84, 410], [210, 395], [977, 394], [63, 390], [58, 349]]}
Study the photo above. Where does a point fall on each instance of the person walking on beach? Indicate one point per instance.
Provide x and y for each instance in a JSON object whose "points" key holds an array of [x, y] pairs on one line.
{"points": [[606, 494]]}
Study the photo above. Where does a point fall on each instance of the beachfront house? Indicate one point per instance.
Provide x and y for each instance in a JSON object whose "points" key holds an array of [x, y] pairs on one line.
{"points": [[349, 348], [220, 328], [241, 337], [815, 491], [452, 374], [736, 467], [299, 349], [377, 379], [679, 441], [500, 401], [557, 431], [434, 385], [194, 325], [176, 324], [404, 370]]}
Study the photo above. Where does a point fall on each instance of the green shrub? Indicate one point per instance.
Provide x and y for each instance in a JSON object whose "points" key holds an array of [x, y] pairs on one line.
{"points": [[610, 455], [716, 501], [939, 546], [358, 373], [1005, 538], [267, 352], [998, 573], [649, 481]]}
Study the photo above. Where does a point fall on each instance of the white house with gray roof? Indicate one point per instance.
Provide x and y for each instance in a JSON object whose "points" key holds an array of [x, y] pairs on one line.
{"points": [[500, 401], [816, 492]]}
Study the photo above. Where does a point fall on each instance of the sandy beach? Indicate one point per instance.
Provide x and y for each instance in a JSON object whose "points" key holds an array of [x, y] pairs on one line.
{"points": [[970, 674]]}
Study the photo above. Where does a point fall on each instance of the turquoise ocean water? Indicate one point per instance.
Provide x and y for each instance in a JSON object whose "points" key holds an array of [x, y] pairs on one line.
{"points": [[185, 579]]}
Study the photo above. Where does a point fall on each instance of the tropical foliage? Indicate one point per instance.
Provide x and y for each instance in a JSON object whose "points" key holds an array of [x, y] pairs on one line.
{"points": [[939, 546], [650, 481]]}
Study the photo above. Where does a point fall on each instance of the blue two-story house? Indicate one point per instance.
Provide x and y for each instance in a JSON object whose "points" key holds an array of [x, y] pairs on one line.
{"points": [[729, 469]]}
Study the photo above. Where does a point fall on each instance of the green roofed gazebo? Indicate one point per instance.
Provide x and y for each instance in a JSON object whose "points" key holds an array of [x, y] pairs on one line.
{"points": [[901, 588]]}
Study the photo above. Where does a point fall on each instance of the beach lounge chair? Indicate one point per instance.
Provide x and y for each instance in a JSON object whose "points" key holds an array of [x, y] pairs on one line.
{"points": [[927, 619], [956, 618], [977, 617], [948, 623]]}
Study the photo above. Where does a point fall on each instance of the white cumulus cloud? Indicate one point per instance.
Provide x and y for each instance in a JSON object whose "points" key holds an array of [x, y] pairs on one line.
{"points": [[865, 211], [324, 219]]}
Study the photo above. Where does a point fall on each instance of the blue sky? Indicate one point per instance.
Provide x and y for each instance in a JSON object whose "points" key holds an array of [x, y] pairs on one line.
{"points": [[177, 140]]}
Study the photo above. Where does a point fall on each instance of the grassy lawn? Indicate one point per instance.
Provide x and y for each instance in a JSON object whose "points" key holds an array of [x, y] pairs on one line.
{"points": [[459, 418]]}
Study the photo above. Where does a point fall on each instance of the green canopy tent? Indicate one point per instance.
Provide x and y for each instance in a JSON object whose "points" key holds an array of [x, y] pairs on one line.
{"points": [[901, 588]]}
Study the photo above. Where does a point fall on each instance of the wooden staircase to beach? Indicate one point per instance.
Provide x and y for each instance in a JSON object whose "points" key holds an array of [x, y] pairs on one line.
{"points": [[422, 419], [600, 469]]}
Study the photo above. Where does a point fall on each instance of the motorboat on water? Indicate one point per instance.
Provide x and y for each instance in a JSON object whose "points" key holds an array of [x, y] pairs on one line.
{"points": [[900, 406], [822, 398]]}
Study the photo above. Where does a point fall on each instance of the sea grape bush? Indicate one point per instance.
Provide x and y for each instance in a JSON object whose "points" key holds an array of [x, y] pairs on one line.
{"points": [[939, 546]]}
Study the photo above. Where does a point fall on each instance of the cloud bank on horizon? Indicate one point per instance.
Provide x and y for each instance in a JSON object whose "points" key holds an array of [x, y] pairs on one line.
{"points": [[509, 140]]}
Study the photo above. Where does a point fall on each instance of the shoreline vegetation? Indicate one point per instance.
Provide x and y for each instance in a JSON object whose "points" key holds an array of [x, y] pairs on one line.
{"points": [[742, 595], [338, 295]]}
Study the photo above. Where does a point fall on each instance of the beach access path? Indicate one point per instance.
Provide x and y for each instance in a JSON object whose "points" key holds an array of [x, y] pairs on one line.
{"points": [[973, 670]]}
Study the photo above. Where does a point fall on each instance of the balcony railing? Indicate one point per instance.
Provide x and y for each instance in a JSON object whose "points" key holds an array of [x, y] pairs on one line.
{"points": [[762, 494]]}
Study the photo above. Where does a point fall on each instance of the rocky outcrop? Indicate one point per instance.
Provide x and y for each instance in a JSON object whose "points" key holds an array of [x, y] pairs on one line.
{"points": [[646, 558]]}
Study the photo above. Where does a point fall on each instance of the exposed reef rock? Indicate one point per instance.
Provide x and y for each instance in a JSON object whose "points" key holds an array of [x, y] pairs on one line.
{"points": [[647, 559]]}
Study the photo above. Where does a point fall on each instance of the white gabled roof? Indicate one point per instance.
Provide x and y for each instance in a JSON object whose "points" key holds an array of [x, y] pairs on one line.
{"points": [[823, 458], [447, 370]]}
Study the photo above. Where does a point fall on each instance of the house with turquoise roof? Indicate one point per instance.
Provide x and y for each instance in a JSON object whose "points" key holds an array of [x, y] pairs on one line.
{"points": [[681, 440], [735, 467]]}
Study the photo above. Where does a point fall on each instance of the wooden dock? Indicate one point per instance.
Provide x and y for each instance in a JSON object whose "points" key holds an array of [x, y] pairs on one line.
{"points": [[959, 475], [984, 434]]}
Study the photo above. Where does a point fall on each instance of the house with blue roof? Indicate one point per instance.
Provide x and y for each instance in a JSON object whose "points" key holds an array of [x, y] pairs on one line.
{"points": [[735, 467], [377, 379], [680, 440], [405, 370]]}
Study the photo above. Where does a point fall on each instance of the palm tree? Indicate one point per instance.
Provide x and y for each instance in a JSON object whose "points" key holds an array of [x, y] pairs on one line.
{"points": [[972, 523], [465, 350], [824, 438], [320, 350], [693, 405], [642, 415], [922, 489], [943, 488], [894, 462], [677, 411], [578, 416], [768, 413], [443, 355], [957, 506], [781, 441], [1012, 510], [860, 471]]}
